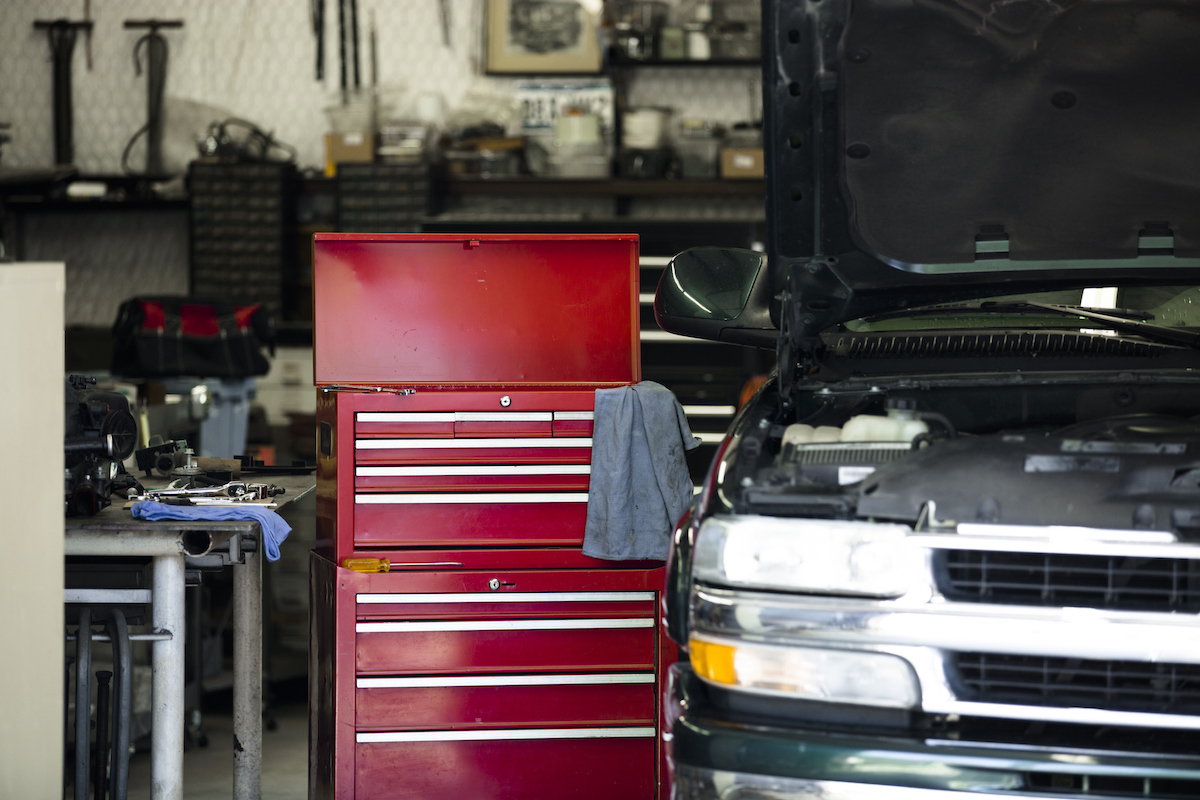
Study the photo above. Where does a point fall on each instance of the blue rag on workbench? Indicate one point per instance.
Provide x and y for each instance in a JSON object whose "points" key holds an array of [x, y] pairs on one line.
{"points": [[639, 485], [274, 529]]}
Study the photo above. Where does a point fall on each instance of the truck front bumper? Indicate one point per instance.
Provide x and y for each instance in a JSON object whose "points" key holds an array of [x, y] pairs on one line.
{"points": [[716, 758], [693, 783]]}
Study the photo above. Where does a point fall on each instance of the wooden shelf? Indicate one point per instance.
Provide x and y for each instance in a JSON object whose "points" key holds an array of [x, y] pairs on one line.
{"points": [[35, 205], [602, 187]]}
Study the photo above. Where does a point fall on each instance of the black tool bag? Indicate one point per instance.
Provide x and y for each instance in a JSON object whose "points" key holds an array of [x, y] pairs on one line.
{"points": [[161, 337]]}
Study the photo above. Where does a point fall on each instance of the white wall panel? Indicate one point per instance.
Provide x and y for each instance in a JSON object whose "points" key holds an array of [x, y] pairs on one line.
{"points": [[31, 530]]}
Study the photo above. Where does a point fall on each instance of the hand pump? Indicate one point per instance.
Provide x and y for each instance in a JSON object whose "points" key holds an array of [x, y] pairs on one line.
{"points": [[156, 83]]}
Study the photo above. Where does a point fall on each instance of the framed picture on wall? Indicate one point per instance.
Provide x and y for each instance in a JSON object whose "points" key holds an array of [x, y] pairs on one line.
{"points": [[543, 37]]}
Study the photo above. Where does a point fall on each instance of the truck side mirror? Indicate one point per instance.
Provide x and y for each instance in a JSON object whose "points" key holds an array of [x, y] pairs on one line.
{"points": [[717, 293]]}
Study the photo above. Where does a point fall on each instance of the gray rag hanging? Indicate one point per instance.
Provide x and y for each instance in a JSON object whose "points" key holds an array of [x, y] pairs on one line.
{"points": [[640, 485]]}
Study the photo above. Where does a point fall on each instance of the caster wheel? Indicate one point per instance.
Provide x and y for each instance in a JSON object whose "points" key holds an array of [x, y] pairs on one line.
{"points": [[202, 740]]}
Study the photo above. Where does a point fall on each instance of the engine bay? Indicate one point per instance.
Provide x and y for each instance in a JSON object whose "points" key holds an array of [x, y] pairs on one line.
{"points": [[1072, 452]]}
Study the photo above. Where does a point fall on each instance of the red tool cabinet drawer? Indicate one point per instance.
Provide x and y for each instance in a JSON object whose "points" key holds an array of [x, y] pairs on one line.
{"points": [[601, 764], [606, 588], [465, 520], [509, 604], [405, 423], [475, 701], [505, 645], [503, 423], [455, 423], [477, 477], [500, 450]]}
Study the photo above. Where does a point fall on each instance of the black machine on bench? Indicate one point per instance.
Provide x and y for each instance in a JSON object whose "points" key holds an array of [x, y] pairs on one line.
{"points": [[101, 432]]}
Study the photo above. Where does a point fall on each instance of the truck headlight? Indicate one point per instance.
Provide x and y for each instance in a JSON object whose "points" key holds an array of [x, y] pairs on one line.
{"points": [[806, 555], [808, 673]]}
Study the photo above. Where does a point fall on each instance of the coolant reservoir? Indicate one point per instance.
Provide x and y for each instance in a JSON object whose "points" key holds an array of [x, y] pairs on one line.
{"points": [[797, 434], [897, 426], [827, 433]]}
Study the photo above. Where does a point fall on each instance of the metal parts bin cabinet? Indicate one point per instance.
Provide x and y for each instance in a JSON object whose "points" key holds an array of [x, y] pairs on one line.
{"points": [[457, 378]]}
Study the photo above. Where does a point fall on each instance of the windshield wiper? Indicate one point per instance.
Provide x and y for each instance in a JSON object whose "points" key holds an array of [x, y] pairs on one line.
{"points": [[994, 306], [1155, 333], [1020, 305], [1119, 319]]}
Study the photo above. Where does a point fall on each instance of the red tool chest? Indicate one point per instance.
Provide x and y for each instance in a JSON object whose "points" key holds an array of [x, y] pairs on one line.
{"points": [[495, 660]]}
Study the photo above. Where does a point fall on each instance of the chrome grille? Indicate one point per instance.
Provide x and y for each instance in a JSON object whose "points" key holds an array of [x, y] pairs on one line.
{"points": [[1107, 582], [1070, 784], [1074, 682]]}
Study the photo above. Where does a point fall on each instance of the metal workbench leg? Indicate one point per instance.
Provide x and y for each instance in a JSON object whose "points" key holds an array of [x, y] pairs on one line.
{"points": [[83, 701], [247, 678], [122, 702], [166, 754]]}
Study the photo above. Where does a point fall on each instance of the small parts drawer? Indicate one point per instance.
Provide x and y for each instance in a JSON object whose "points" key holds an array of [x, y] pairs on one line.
{"points": [[457, 423], [505, 645], [503, 450], [503, 423], [490, 701], [474, 477], [594, 763], [406, 423], [467, 520]]}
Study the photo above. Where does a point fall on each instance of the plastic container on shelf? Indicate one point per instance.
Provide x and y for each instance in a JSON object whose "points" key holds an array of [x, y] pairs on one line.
{"points": [[672, 44], [548, 158], [742, 43], [592, 165], [483, 163], [644, 128], [577, 129], [360, 111], [698, 146], [698, 46], [356, 116]]}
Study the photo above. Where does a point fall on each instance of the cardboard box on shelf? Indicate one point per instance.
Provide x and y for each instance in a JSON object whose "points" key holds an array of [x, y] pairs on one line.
{"points": [[344, 148], [741, 162]]}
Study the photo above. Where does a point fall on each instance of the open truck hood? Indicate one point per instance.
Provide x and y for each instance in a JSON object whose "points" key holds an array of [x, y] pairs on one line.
{"points": [[925, 151]]}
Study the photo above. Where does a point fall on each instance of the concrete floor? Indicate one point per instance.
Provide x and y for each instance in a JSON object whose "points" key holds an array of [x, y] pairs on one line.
{"points": [[208, 771]]}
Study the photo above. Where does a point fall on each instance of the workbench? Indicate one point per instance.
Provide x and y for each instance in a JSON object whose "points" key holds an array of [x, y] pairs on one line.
{"points": [[114, 532]]}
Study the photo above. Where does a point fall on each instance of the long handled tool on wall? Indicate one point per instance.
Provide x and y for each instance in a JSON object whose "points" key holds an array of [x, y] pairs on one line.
{"points": [[62, 34], [156, 84], [348, 58]]}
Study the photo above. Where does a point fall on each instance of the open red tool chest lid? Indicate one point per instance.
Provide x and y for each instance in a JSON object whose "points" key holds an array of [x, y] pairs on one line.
{"points": [[499, 309]]}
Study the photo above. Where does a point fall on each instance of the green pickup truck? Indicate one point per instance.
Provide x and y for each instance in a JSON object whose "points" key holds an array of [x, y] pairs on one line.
{"points": [[951, 549]]}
